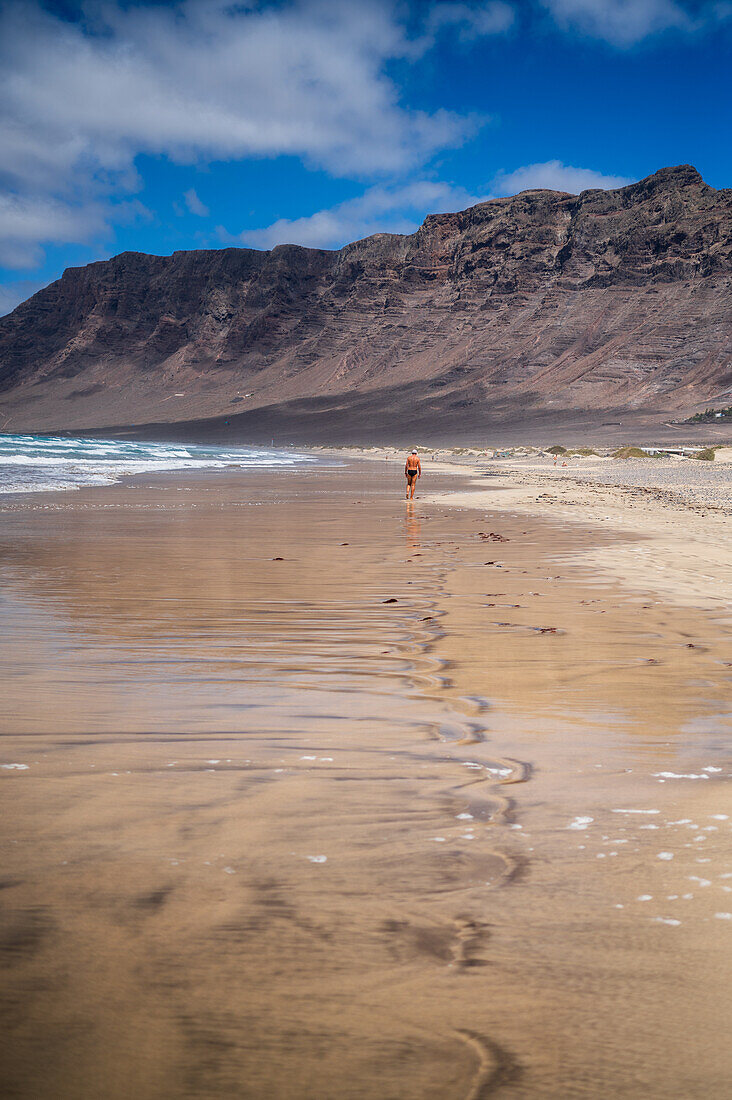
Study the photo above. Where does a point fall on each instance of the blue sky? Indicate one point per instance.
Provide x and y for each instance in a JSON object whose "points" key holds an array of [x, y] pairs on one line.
{"points": [[160, 126]]}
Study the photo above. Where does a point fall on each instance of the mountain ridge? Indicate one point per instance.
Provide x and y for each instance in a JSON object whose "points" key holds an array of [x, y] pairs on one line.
{"points": [[542, 301]]}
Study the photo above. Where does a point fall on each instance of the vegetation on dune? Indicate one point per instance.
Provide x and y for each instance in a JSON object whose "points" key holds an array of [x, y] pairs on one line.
{"points": [[584, 451], [707, 455], [631, 452], [556, 450], [474, 450]]}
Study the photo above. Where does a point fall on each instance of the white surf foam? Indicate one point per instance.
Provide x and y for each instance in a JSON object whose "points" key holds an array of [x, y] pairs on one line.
{"points": [[31, 464]]}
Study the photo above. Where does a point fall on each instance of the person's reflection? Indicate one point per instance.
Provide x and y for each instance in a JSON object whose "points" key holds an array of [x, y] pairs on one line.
{"points": [[412, 527]]}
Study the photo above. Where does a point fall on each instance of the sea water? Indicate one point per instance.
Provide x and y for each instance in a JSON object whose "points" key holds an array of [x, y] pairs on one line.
{"points": [[31, 463]]}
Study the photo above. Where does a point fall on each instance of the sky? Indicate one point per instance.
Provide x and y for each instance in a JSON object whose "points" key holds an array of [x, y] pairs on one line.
{"points": [[155, 127]]}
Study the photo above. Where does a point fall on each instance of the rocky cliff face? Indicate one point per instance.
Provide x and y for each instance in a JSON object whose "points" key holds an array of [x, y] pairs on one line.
{"points": [[524, 307]]}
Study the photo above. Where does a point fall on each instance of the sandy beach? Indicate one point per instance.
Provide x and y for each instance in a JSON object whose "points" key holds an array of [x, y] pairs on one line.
{"points": [[313, 794]]}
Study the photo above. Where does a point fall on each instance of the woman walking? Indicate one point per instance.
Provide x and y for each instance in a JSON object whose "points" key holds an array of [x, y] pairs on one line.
{"points": [[412, 470]]}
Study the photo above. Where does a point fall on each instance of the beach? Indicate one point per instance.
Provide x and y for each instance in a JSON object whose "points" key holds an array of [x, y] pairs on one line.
{"points": [[312, 793]]}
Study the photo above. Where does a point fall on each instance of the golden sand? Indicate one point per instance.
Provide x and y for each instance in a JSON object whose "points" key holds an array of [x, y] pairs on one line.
{"points": [[276, 836]]}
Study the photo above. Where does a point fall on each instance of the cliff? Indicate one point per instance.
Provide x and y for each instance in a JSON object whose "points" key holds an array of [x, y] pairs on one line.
{"points": [[532, 308]]}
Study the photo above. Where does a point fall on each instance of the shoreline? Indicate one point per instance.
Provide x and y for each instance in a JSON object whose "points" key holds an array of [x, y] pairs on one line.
{"points": [[672, 513], [675, 526]]}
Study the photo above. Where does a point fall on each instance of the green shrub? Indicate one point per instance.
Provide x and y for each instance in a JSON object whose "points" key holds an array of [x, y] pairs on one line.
{"points": [[584, 451], [630, 452], [709, 415], [707, 455], [556, 450]]}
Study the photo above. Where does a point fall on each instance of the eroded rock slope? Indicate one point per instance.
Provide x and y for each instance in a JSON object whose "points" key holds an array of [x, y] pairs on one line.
{"points": [[517, 308]]}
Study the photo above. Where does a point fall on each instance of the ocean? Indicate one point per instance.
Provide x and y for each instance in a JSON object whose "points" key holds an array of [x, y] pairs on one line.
{"points": [[31, 463]]}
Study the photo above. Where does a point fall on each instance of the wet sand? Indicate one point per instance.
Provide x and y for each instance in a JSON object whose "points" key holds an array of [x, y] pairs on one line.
{"points": [[271, 835], [675, 515]]}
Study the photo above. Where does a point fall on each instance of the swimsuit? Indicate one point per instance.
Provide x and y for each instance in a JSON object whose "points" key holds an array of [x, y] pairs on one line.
{"points": [[412, 473]]}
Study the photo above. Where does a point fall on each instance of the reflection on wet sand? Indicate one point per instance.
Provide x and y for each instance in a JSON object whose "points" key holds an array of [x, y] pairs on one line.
{"points": [[323, 795]]}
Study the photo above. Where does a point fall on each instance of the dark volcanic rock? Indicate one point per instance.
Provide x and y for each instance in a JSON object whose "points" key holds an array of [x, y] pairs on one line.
{"points": [[517, 308]]}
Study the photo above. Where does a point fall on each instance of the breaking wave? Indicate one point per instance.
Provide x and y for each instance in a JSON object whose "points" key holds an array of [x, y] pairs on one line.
{"points": [[30, 463]]}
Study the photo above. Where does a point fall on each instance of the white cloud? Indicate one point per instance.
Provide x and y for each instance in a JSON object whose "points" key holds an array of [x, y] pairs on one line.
{"points": [[472, 21], [26, 220], [402, 209], [378, 210], [195, 205], [212, 80], [552, 175], [203, 80], [625, 23]]}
